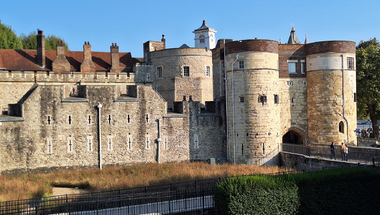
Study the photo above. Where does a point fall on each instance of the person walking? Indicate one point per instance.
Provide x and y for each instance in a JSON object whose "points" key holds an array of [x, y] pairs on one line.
{"points": [[346, 152], [332, 147], [342, 152]]}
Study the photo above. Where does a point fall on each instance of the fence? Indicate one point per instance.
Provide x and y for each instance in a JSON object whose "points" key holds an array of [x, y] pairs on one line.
{"points": [[192, 197]]}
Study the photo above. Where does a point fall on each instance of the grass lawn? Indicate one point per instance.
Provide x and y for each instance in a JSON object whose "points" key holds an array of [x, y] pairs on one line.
{"points": [[15, 187]]}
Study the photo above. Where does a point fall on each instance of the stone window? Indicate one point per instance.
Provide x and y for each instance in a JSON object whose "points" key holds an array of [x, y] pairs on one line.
{"points": [[128, 118], [109, 119], [262, 99], [241, 99], [49, 145], [263, 148], [147, 141], [276, 99], [48, 121], [148, 77], [165, 143], [341, 127], [304, 83], [355, 97], [147, 117], [109, 142], [70, 120], [159, 72], [89, 120], [129, 141], [241, 64], [207, 71], [350, 63], [89, 143], [196, 141], [302, 66], [186, 71], [292, 66], [289, 83], [70, 144]]}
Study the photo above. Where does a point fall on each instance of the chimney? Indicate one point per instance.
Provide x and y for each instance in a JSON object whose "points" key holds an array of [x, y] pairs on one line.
{"points": [[87, 64], [41, 48], [61, 64], [115, 59], [163, 40]]}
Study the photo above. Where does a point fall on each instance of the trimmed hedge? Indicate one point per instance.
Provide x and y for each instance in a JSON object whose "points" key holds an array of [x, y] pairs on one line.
{"points": [[331, 191]]}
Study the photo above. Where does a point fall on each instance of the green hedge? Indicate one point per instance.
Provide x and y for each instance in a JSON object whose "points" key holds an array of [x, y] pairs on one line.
{"points": [[332, 191]]}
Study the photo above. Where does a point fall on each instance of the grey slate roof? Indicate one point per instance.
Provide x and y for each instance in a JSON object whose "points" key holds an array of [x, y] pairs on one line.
{"points": [[204, 27], [293, 37]]}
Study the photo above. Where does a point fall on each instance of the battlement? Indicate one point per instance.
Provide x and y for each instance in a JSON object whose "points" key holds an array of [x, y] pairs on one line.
{"points": [[69, 77]]}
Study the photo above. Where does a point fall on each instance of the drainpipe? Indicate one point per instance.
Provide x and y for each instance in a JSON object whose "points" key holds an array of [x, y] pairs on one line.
{"points": [[0, 151], [233, 108], [225, 92], [344, 102], [99, 136], [158, 140]]}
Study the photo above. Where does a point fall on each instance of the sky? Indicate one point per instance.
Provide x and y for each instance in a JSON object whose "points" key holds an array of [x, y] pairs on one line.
{"points": [[130, 23]]}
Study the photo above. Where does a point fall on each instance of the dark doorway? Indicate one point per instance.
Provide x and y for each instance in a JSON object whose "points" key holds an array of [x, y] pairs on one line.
{"points": [[292, 137]]}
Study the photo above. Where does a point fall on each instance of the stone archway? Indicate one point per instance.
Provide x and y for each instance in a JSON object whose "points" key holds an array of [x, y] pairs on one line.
{"points": [[293, 137]]}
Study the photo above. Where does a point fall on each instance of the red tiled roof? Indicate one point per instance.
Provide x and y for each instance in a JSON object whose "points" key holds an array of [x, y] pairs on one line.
{"points": [[26, 59]]}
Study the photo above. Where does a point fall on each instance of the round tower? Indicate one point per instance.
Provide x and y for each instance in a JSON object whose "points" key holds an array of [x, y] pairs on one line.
{"points": [[331, 92], [253, 112]]}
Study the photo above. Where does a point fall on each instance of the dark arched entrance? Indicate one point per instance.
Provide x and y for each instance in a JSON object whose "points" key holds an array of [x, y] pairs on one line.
{"points": [[292, 137]]}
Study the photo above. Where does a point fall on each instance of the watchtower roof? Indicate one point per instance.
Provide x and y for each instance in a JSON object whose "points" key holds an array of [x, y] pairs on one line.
{"points": [[204, 27], [293, 37]]}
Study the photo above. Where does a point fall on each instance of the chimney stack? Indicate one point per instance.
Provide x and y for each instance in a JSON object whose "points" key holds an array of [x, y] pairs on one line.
{"points": [[115, 59], [61, 64], [163, 40], [87, 64], [41, 49]]}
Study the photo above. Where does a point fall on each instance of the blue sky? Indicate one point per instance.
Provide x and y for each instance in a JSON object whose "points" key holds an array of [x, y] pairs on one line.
{"points": [[129, 23]]}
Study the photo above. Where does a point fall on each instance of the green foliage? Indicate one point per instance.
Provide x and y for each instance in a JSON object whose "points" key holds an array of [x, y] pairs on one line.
{"points": [[51, 41], [8, 39], [332, 191]]}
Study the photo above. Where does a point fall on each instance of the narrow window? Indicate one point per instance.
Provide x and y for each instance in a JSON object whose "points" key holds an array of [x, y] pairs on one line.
{"points": [[302, 66], [109, 143], [69, 119], [109, 119], [129, 141], [262, 99], [147, 117], [22, 74], [263, 148], [304, 83], [148, 77], [166, 143], [89, 119], [196, 141], [276, 99], [71, 73], [289, 83], [184, 98], [128, 118], [241, 99], [242, 149], [159, 72], [207, 71], [48, 120], [350, 63], [341, 127], [241, 64], [90, 145], [70, 144], [355, 97], [147, 141], [201, 39], [186, 71], [49, 144]]}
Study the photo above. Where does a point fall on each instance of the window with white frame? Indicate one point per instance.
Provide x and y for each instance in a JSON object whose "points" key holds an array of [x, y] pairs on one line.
{"points": [[159, 72], [292, 66], [302, 66], [201, 39], [186, 71], [241, 64], [207, 71], [49, 145]]}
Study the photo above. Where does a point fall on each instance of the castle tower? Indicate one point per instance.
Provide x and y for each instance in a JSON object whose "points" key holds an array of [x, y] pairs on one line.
{"points": [[204, 36], [253, 111], [331, 89]]}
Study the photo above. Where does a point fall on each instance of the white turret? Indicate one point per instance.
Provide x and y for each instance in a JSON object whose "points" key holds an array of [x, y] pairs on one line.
{"points": [[204, 36]]}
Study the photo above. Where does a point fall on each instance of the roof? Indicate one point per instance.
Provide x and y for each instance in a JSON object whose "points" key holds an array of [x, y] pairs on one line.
{"points": [[204, 27], [26, 59], [293, 37]]}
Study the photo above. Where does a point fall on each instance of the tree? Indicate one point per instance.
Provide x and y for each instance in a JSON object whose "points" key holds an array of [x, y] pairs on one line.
{"points": [[8, 39], [368, 81], [30, 41]]}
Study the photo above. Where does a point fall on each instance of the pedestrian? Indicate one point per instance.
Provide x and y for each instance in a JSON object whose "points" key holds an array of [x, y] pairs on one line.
{"points": [[332, 147], [342, 152], [346, 152]]}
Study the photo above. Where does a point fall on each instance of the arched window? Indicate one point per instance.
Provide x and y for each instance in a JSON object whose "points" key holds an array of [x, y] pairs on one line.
{"points": [[341, 127], [201, 39]]}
